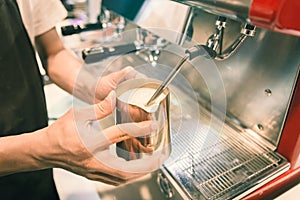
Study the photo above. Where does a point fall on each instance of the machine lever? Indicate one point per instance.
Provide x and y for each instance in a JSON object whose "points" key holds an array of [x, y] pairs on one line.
{"points": [[96, 54], [78, 28]]}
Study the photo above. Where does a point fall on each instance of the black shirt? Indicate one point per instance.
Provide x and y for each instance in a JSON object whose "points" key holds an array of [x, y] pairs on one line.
{"points": [[22, 102]]}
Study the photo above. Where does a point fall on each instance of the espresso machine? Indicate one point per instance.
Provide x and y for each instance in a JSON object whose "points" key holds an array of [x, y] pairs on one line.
{"points": [[237, 97]]}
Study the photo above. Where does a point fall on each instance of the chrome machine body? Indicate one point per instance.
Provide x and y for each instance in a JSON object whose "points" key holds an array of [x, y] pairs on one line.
{"points": [[238, 104]]}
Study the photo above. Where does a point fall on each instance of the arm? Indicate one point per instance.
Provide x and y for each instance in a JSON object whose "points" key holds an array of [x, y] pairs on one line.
{"points": [[62, 65], [19, 153], [67, 71], [73, 144]]}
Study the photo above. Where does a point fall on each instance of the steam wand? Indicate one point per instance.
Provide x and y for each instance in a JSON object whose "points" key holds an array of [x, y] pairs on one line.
{"points": [[191, 53], [165, 84]]}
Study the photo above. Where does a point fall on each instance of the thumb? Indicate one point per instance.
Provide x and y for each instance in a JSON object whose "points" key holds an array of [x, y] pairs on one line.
{"points": [[96, 111], [105, 107]]}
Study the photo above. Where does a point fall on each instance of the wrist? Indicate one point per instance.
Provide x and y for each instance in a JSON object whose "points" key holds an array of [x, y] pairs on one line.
{"points": [[40, 148], [85, 86], [20, 153]]}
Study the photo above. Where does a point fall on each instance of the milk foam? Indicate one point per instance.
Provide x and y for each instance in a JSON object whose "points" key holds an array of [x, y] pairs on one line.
{"points": [[140, 96]]}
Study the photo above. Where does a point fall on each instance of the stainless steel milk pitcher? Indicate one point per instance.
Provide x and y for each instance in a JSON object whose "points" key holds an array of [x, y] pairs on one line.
{"points": [[132, 97]]}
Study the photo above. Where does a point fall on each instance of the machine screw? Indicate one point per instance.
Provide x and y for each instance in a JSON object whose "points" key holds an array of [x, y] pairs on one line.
{"points": [[268, 92], [260, 127]]}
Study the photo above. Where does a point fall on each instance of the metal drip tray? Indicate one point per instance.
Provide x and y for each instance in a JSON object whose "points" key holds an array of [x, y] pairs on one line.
{"points": [[221, 166], [232, 179]]}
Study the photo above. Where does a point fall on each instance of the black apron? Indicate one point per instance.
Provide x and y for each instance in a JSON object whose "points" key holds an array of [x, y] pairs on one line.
{"points": [[22, 103]]}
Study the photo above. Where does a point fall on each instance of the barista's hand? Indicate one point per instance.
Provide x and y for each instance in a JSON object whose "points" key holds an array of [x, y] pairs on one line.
{"points": [[92, 89], [110, 82], [75, 144]]}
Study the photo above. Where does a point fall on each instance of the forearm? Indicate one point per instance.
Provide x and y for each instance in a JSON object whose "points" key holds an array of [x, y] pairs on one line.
{"points": [[67, 71], [64, 67], [22, 152]]}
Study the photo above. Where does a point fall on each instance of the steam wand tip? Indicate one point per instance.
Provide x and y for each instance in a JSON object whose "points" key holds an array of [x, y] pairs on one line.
{"points": [[165, 84]]}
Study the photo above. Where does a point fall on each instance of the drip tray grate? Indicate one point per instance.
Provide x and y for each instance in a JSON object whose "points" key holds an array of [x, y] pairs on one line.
{"points": [[230, 180], [218, 165]]}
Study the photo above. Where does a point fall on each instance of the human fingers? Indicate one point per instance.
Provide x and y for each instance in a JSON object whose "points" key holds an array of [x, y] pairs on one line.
{"points": [[113, 176], [136, 144], [115, 77], [131, 73], [125, 74], [109, 82], [133, 113], [125, 131], [99, 110], [106, 178]]}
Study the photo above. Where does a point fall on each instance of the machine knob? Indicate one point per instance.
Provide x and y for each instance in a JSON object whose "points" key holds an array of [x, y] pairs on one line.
{"points": [[165, 186]]}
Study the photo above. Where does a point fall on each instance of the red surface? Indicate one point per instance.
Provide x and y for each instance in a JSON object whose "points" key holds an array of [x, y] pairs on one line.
{"points": [[289, 147], [281, 16], [276, 186], [278, 15]]}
